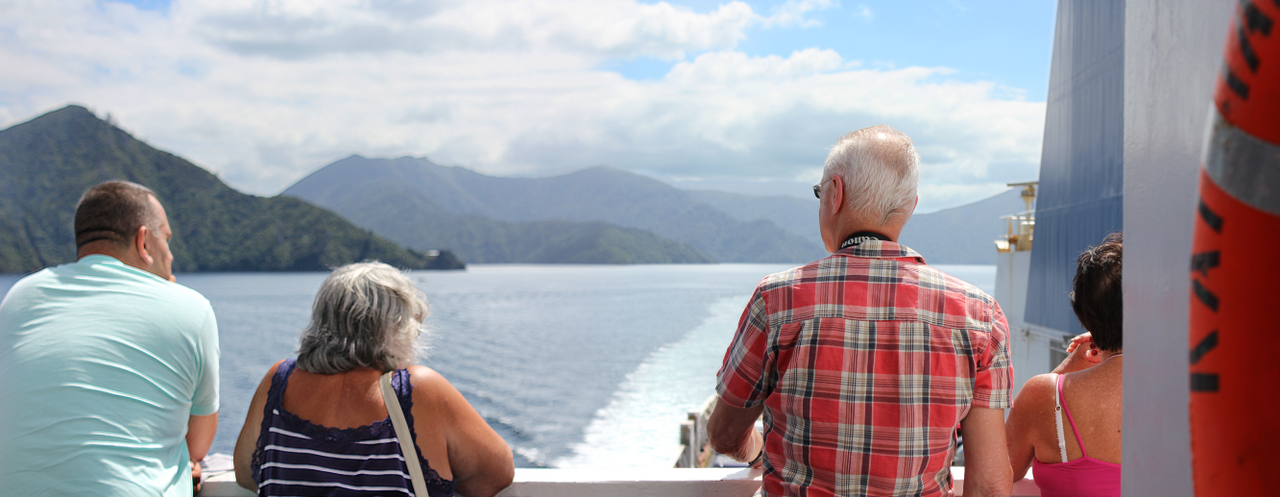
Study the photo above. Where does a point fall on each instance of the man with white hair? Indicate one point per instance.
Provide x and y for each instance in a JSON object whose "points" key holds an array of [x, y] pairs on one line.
{"points": [[866, 363]]}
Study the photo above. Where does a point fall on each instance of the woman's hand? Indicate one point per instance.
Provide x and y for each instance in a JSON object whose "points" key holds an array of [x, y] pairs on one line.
{"points": [[1082, 354], [1080, 339]]}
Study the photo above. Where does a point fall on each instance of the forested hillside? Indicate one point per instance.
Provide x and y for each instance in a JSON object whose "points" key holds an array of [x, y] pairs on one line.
{"points": [[48, 162], [485, 217]]}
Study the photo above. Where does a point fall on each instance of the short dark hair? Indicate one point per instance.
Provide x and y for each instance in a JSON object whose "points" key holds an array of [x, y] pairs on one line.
{"points": [[112, 211], [1096, 293]]}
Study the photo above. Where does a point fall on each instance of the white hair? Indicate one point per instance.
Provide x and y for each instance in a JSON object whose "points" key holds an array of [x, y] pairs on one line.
{"points": [[366, 314], [880, 169]]}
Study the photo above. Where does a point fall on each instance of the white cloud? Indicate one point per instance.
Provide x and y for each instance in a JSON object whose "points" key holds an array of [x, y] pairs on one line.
{"points": [[602, 28], [792, 13], [863, 13], [264, 92]]}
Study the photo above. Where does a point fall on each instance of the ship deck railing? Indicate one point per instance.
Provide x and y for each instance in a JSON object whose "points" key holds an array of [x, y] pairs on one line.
{"points": [[629, 482], [690, 478]]}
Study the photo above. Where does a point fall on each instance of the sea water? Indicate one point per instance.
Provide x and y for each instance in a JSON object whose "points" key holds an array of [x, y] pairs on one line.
{"points": [[573, 365]]}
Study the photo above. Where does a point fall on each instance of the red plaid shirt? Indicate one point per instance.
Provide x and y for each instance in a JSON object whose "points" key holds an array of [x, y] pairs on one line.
{"points": [[866, 362]]}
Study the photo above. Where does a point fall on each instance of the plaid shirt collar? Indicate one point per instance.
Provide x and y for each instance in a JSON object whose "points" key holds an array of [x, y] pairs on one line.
{"points": [[880, 249]]}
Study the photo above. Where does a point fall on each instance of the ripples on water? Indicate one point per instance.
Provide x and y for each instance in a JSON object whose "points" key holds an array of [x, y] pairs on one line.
{"points": [[575, 366]]}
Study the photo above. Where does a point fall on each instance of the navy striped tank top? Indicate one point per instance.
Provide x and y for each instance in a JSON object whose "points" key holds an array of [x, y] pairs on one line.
{"points": [[297, 458]]}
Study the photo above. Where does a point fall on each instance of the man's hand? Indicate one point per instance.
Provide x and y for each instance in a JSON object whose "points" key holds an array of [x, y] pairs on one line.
{"points": [[196, 472]]}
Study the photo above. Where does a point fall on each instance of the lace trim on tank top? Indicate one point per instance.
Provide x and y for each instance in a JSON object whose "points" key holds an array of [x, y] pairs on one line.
{"points": [[377, 429]]}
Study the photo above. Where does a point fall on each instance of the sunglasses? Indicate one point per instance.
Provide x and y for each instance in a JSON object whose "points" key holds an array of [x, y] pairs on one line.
{"points": [[817, 190]]}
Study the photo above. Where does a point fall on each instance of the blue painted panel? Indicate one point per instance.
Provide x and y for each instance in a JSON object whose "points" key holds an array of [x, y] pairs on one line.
{"points": [[1082, 162]]}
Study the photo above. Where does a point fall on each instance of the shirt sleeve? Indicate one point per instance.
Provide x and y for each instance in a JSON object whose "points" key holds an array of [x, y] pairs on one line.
{"points": [[993, 381], [743, 380], [205, 399]]}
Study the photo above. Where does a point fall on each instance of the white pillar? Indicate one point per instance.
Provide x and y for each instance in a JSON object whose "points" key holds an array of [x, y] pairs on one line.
{"points": [[1173, 54]]}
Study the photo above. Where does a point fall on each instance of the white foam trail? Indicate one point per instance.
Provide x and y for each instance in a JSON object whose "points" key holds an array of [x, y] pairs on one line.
{"points": [[640, 428], [529, 453]]}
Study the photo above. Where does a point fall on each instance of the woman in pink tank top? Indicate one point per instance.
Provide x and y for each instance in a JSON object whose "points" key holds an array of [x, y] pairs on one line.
{"points": [[1084, 393]]}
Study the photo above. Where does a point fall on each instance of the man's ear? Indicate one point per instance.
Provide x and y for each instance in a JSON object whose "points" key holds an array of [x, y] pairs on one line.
{"points": [[140, 241], [836, 193]]}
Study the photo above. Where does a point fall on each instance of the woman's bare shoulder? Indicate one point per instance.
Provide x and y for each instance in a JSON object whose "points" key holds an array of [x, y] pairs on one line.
{"points": [[1037, 391], [422, 375], [429, 382], [1047, 380], [266, 378], [432, 391]]}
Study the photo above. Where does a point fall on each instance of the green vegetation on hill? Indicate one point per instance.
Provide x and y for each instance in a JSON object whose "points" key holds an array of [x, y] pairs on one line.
{"points": [[794, 215], [393, 208], [48, 162], [490, 219]]}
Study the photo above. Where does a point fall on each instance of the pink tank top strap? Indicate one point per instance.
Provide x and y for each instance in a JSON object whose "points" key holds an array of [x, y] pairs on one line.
{"points": [[1063, 398]]}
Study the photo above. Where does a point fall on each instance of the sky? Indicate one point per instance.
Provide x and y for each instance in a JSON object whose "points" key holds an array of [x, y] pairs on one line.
{"points": [[741, 96]]}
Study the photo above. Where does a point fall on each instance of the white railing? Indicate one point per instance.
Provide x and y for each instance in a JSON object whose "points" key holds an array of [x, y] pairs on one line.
{"points": [[540, 482], [687, 481], [674, 482]]}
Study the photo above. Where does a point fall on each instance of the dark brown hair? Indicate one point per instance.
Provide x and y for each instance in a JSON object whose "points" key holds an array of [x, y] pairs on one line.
{"points": [[112, 211], [1096, 293]]}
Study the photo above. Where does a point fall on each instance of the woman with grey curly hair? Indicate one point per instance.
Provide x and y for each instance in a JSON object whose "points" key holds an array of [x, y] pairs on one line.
{"points": [[318, 425]]}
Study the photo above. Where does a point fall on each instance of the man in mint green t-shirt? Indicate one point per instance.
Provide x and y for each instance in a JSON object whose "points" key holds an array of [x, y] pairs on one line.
{"points": [[108, 368]]}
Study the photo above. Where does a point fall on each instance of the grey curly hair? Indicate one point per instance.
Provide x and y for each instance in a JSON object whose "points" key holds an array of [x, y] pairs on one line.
{"points": [[366, 314]]}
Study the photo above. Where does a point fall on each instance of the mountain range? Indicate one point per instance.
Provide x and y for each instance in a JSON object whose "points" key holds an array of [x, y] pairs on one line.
{"points": [[366, 208], [48, 162], [508, 219], [493, 219], [964, 234], [958, 235]]}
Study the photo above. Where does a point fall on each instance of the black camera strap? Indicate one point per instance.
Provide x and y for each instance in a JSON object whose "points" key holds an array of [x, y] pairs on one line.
{"points": [[857, 238]]}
